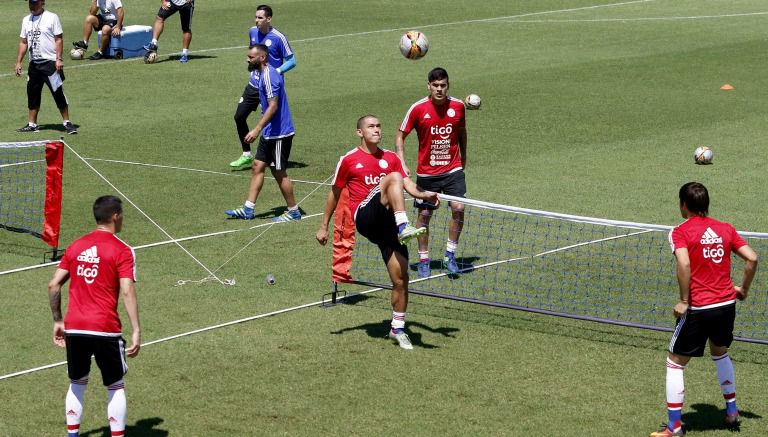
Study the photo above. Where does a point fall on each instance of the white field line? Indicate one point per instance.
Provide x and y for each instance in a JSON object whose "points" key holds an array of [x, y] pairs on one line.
{"points": [[170, 167], [161, 243], [21, 163], [371, 32], [318, 303], [641, 19]]}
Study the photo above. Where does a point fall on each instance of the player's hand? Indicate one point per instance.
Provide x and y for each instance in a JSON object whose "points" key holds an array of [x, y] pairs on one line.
{"points": [[116, 31], [252, 135], [165, 5], [432, 198], [17, 70], [322, 236], [58, 334], [133, 350], [680, 309], [59, 65], [741, 293]]}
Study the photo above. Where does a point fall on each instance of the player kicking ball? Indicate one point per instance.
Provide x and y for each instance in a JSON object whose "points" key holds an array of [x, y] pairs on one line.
{"points": [[375, 179]]}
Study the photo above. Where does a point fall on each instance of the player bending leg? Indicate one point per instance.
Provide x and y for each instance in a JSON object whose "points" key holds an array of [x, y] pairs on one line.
{"points": [[441, 129], [376, 179], [105, 16], [707, 307]]}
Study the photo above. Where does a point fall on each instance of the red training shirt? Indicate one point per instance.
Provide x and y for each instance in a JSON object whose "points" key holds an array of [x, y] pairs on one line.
{"points": [[709, 243], [438, 129], [362, 171], [96, 262]]}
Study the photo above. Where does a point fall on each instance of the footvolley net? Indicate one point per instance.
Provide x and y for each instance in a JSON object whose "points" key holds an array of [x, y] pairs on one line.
{"points": [[30, 188], [579, 267]]}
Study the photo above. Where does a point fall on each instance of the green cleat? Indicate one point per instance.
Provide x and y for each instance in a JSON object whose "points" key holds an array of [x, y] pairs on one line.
{"points": [[409, 232], [241, 162]]}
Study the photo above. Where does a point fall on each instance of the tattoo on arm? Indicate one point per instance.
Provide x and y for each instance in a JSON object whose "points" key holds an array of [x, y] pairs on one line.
{"points": [[55, 300]]}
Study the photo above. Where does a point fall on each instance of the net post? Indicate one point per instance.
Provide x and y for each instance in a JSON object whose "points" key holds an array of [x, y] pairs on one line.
{"points": [[334, 299]]}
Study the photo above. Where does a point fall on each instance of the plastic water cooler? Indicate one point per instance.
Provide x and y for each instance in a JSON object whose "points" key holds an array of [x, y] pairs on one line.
{"points": [[131, 42]]}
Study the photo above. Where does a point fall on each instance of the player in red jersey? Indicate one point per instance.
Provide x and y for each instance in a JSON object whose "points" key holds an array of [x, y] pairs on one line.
{"points": [[100, 267], [441, 129], [707, 307], [376, 179]]}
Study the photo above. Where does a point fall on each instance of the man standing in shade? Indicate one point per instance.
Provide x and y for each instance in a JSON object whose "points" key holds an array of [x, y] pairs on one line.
{"points": [[42, 35]]}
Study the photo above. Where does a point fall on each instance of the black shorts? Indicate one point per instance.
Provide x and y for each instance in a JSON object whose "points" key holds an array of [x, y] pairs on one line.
{"points": [[376, 223], [39, 74], [275, 152], [103, 22], [185, 14], [695, 327], [452, 184], [108, 351]]}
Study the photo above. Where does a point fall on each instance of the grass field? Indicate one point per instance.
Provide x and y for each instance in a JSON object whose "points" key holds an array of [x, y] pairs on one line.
{"points": [[590, 107]]}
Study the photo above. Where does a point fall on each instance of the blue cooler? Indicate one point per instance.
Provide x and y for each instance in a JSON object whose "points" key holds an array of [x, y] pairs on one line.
{"points": [[131, 42]]}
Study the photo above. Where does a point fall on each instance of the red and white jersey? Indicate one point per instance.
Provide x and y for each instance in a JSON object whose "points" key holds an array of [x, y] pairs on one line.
{"points": [[361, 172], [438, 129], [709, 243], [96, 263]]}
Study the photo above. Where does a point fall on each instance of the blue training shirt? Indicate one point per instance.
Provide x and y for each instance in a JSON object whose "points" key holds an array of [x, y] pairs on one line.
{"points": [[270, 86], [276, 42]]}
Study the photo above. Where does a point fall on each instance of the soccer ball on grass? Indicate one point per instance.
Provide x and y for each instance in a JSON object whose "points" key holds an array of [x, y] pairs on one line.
{"points": [[472, 101], [414, 44], [77, 53], [703, 155], [150, 57]]}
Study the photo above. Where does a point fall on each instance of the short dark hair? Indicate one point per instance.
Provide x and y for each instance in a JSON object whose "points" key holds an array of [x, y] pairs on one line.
{"points": [[437, 73], [266, 8], [695, 197], [260, 47], [104, 207], [360, 120]]}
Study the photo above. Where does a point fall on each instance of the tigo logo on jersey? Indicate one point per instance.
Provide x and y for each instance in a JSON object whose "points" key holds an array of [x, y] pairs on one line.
{"points": [[89, 256], [374, 180], [443, 131], [717, 253]]}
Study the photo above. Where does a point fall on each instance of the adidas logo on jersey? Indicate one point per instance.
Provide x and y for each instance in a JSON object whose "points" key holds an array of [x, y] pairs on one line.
{"points": [[426, 116], [710, 237], [359, 165], [89, 256]]}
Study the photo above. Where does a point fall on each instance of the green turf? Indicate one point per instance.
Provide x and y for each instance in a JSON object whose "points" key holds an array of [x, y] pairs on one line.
{"points": [[581, 116]]}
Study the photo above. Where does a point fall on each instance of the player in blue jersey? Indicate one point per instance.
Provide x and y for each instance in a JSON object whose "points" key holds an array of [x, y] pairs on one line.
{"points": [[280, 57], [275, 130]]}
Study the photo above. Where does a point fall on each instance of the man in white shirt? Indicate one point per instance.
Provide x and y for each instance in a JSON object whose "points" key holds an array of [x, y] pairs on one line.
{"points": [[105, 16], [42, 35]]}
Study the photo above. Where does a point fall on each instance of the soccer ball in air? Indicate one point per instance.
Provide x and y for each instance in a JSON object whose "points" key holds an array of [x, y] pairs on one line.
{"points": [[414, 44], [150, 57], [77, 53], [472, 101], [703, 155]]}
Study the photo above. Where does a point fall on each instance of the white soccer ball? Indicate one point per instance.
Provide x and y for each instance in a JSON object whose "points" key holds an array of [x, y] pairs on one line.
{"points": [[703, 155], [414, 44], [77, 53], [150, 57], [472, 101]]}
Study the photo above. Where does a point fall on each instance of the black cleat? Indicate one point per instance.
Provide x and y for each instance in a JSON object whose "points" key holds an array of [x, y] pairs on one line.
{"points": [[70, 128], [28, 128]]}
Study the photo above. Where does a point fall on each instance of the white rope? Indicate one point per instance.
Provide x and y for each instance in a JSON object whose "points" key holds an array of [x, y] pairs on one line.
{"points": [[127, 199], [182, 282]]}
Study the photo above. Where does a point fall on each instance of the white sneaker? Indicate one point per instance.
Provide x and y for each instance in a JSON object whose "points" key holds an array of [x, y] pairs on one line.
{"points": [[401, 338]]}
